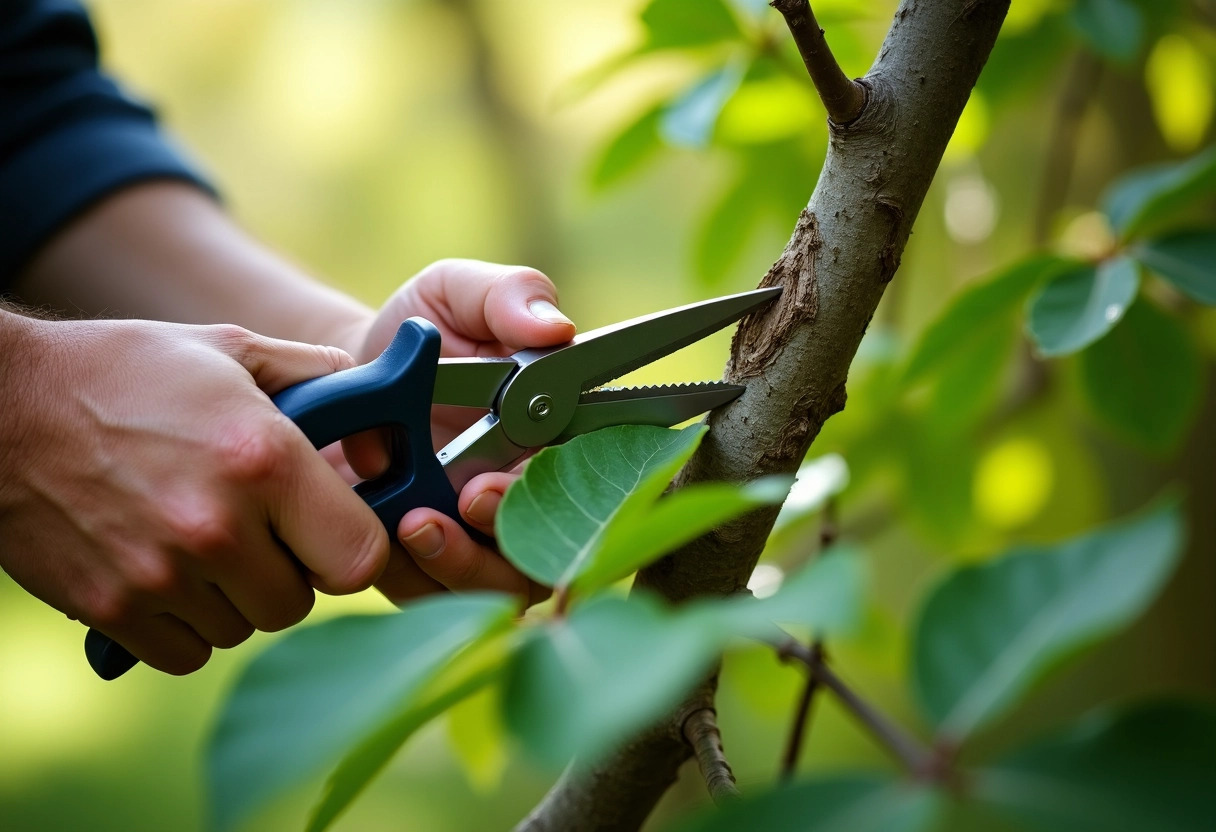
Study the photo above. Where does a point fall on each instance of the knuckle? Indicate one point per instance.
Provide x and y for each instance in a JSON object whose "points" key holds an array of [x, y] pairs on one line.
{"points": [[290, 609], [252, 453], [233, 340], [109, 608], [186, 661], [153, 576], [203, 529], [238, 635]]}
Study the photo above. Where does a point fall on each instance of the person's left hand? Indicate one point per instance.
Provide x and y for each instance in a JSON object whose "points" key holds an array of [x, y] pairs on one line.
{"points": [[481, 309]]}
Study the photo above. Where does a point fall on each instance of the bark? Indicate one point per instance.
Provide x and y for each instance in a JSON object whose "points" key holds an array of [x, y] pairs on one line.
{"points": [[794, 356]]}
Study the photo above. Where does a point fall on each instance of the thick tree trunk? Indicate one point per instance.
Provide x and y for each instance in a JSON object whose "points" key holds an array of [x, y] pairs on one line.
{"points": [[795, 356]]}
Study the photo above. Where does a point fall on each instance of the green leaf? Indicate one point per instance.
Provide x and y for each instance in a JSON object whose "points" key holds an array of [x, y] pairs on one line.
{"points": [[1081, 305], [584, 515], [825, 597], [477, 737], [961, 354], [1150, 767], [1150, 198], [1112, 28], [849, 803], [472, 669], [553, 518], [689, 120], [726, 230], [1144, 380], [989, 631], [291, 715], [1187, 260], [677, 24], [634, 539], [581, 685], [631, 148]]}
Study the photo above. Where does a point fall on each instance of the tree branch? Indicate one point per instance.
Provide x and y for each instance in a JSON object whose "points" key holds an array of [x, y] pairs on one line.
{"points": [[914, 756], [701, 732], [842, 97], [793, 747], [794, 356]]}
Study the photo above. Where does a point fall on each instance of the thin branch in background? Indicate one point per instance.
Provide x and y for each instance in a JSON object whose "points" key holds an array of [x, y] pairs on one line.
{"points": [[915, 757], [701, 731], [842, 97], [793, 747], [1079, 87]]}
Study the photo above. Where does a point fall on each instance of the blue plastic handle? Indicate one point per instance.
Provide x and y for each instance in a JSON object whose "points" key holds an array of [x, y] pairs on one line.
{"points": [[394, 391]]}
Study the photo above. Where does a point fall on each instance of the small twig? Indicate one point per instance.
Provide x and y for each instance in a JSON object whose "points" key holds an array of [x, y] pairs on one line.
{"points": [[793, 748], [1079, 85], [915, 757], [842, 97], [701, 731]]}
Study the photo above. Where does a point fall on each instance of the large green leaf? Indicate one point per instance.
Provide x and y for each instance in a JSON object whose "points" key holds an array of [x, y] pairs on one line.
{"points": [[989, 631], [674, 24], [584, 513], [1187, 260], [631, 148], [963, 351], [846, 803], [1151, 767], [1149, 199], [1112, 28], [583, 684], [688, 121], [1078, 307], [1145, 379], [323, 691]]}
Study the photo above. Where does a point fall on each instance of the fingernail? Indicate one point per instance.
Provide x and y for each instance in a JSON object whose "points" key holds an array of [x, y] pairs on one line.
{"points": [[547, 312], [427, 542], [482, 509]]}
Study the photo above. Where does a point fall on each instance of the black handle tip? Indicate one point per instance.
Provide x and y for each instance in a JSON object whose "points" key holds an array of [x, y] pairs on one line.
{"points": [[107, 657]]}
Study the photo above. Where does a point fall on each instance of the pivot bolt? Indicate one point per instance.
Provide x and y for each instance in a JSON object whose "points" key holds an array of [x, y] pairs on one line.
{"points": [[540, 407]]}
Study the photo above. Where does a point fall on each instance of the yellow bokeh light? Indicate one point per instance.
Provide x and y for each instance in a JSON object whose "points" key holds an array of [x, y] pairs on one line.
{"points": [[1179, 82], [768, 110], [1013, 483]]}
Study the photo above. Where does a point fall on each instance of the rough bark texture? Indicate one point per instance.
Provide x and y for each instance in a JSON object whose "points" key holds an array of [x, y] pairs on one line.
{"points": [[795, 355]]}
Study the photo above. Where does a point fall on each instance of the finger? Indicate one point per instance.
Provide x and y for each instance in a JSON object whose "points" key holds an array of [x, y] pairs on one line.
{"points": [[367, 453], [262, 583], [210, 614], [480, 497], [446, 553], [276, 364], [514, 305], [402, 580], [321, 520], [164, 642]]}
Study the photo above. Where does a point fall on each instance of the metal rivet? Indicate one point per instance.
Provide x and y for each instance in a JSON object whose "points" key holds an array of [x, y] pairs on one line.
{"points": [[539, 407]]}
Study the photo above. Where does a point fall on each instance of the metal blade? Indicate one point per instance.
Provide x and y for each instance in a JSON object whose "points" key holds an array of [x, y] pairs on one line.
{"points": [[539, 400], [612, 351], [471, 382], [663, 406]]}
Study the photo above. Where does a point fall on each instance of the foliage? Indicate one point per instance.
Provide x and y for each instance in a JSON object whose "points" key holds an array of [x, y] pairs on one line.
{"points": [[992, 390]]}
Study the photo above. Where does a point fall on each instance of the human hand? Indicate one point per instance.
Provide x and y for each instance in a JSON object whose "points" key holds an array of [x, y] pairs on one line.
{"points": [[150, 488], [481, 309]]}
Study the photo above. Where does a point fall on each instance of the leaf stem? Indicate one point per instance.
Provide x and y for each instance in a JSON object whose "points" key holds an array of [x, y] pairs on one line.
{"points": [[701, 731], [842, 97]]}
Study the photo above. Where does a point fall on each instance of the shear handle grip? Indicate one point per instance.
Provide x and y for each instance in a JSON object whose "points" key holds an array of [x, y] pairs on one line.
{"points": [[393, 391]]}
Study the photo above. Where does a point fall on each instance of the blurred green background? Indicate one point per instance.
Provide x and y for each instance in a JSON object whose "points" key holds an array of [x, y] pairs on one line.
{"points": [[368, 138]]}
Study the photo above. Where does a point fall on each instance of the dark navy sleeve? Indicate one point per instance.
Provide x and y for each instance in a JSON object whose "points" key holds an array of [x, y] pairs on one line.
{"points": [[68, 135]]}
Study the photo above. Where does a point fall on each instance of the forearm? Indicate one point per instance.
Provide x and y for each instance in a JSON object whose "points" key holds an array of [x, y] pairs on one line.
{"points": [[166, 251]]}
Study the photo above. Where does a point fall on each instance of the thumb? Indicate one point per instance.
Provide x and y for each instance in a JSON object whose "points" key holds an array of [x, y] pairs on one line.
{"points": [[276, 364], [521, 311]]}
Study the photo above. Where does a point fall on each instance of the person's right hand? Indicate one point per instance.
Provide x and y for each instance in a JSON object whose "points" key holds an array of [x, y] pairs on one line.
{"points": [[150, 488]]}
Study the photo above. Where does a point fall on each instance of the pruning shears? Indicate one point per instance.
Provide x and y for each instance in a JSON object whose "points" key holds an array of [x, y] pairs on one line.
{"points": [[533, 398]]}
